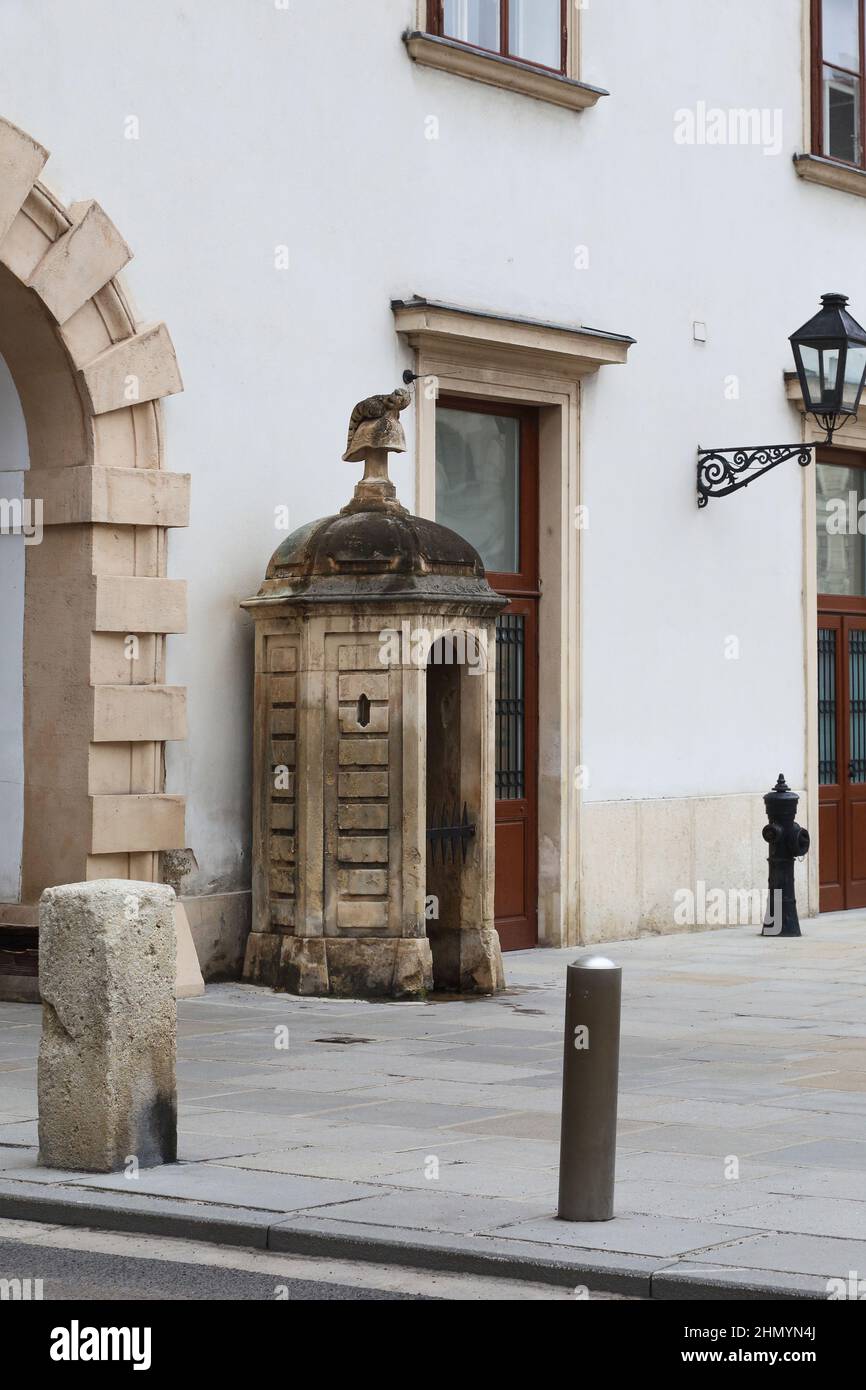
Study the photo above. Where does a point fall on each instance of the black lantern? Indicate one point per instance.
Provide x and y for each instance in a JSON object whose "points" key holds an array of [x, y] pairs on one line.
{"points": [[830, 353]]}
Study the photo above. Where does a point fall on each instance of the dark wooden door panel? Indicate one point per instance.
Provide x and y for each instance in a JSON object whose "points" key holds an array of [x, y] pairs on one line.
{"points": [[856, 894], [831, 868], [510, 874]]}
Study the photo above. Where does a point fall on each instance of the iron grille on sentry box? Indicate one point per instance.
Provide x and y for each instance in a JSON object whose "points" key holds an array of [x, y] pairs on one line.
{"points": [[510, 707]]}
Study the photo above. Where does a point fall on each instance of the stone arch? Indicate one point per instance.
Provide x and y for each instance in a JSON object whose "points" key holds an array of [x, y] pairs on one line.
{"points": [[98, 605]]}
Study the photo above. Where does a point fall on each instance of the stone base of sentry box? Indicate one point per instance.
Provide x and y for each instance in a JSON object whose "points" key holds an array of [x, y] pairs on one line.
{"points": [[360, 968]]}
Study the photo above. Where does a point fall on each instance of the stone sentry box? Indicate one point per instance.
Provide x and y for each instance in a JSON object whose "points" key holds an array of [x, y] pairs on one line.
{"points": [[374, 721]]}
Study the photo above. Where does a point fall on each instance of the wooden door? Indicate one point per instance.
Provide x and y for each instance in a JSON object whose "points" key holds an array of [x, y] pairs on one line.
{"points": [[841, 560], [854, 785], [487, 490], [831, 814], [842, 760]]}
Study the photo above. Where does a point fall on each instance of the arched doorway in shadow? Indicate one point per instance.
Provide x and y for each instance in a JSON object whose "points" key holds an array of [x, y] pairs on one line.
{"points": [[459, 801]]}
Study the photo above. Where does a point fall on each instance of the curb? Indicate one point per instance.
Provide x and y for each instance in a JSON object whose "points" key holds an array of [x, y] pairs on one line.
{"points": [[634, 1276]]}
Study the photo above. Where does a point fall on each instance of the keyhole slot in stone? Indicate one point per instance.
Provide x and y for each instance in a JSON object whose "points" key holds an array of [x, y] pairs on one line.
{"points": [[363, 711]]}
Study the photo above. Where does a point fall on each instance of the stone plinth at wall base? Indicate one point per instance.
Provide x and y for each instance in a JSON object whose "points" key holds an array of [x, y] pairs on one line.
{"points": [[188, 977], [360, 968], [106, 1080], [19, 989], [220, 924], [468, 961]]}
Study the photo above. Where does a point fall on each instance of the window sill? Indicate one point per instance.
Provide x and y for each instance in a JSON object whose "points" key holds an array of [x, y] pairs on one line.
{"points": [[449, 56], [815, 168]]}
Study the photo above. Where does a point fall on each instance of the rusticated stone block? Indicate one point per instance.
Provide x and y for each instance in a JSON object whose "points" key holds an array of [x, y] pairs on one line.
{"points": [[303, 966], [107, 1090], [261, 966], [384, 969]]}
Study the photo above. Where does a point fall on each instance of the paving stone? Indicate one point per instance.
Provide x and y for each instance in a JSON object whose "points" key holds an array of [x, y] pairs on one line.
{"points": [[198, 1148], [312, 1162], [688, 1169], [523, 1124], [233, 1124], [845, 1183], [433, 1211], [826, 1153], [706, 1140], [635, 1234], [713, 1202], [396, 1112], [224, 1185], [20, 1132], [278, 1102], [790, 1254], [473, 1180], [816, 1216]]}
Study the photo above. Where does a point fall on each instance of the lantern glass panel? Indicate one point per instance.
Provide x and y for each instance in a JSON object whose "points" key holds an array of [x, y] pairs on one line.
{"points": [[855, 366], [811, 363], [821, 372], [832, 376]]}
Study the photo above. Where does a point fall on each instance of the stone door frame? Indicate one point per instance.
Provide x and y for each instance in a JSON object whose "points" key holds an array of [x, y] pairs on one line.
{"points": [[98, 604], [461, 352]]}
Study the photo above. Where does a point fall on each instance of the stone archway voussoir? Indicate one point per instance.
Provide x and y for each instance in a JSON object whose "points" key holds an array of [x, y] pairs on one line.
{"points": [[21, 162], [80, 263]]}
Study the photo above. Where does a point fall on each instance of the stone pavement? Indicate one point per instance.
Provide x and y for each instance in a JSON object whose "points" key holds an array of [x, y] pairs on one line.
{"points": [[740, 1055]]}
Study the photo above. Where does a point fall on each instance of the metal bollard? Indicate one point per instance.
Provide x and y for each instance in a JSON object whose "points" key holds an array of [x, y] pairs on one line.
{"points": [[590, 1078]]}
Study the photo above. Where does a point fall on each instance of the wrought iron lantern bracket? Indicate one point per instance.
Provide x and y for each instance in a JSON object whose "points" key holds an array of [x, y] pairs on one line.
{"points": [[723, 471]]}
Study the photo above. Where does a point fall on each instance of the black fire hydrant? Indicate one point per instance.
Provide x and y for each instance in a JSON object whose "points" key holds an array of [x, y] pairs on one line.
{"points": [[788, 841]]}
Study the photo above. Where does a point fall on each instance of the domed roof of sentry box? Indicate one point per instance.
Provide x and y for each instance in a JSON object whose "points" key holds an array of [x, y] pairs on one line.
{"points": [[374, 549]]}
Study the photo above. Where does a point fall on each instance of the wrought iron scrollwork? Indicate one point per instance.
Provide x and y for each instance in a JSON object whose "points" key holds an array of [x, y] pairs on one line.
{"points": [[723, 471]]}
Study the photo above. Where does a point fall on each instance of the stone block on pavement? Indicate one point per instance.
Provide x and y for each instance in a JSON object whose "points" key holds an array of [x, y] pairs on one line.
{"points": [[106, 1076]]}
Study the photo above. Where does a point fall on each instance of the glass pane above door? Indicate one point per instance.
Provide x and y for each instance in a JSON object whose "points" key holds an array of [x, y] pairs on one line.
{"points": [[478, 483], [841, 513]]}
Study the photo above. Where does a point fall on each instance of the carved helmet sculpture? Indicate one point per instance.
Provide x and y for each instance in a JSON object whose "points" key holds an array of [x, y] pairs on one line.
{"points": [[375, 424]]}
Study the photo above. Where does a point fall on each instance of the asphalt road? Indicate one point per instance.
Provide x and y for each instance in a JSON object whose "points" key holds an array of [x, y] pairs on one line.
{"points": [[70, 1274], [95, 1266]]}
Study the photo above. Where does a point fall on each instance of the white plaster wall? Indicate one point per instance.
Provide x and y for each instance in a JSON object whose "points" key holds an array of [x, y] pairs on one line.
{"points": [[307, 127], [14, 460]]}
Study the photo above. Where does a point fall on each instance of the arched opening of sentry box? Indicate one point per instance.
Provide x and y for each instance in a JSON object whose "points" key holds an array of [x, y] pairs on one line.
{"points": [[455, 794]]}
